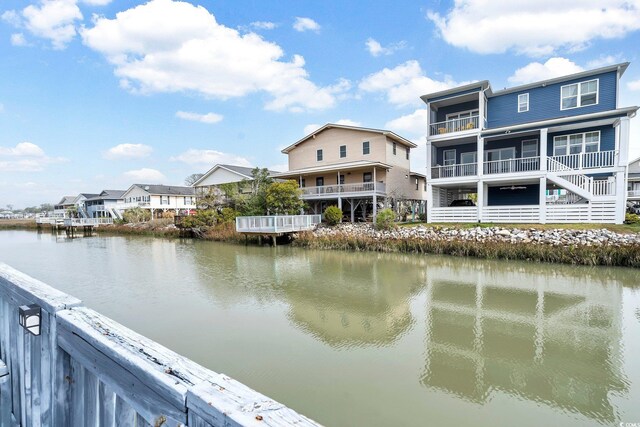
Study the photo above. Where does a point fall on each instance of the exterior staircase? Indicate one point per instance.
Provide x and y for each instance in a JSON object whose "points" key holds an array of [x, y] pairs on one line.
{"points": [[576, 182], [115, 214], [82, 212]]}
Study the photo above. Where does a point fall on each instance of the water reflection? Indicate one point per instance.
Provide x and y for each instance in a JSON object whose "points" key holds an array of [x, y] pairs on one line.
{"points": [[544, 337]]}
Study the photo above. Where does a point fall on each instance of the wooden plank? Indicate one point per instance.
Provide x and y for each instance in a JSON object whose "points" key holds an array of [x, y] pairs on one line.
{"points": [[226, 402], [77, 392], [125, 415], [90, 399], [107, 399], [50, 299], [5, 395], [35, 381], [129, 387], [61, 376], [47, 382]]}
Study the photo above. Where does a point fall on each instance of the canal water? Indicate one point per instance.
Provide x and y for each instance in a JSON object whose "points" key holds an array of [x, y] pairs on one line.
{"points": [[367, 339]]}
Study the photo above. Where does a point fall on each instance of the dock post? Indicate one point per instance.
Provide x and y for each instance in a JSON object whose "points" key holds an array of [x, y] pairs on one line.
{"points": [[274, 240]]}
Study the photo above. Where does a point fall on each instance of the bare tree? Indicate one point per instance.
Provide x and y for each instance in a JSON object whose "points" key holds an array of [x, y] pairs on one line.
{"points": [[191, 179]]}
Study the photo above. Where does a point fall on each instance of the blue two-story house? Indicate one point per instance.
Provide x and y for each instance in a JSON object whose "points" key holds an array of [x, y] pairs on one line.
{"points": [[554, 151]]}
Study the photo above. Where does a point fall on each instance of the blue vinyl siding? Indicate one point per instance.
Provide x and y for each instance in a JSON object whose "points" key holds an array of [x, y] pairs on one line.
{"points": [[544, 102], [463, 148], [512, 142], [441, 115], [528, 196], [607, 137]]}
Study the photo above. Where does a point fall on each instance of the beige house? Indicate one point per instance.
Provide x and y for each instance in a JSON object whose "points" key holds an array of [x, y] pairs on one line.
{"points": [[358, 169]]}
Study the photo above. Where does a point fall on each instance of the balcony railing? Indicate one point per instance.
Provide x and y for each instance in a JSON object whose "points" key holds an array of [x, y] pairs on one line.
{"points": [[455, 125], [596, 159], [633, 193], [526, 164], [452, 171], [361, 187]]}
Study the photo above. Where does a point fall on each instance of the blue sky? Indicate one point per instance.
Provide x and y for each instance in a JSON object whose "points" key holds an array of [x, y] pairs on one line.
{"points": [[99, 94]]}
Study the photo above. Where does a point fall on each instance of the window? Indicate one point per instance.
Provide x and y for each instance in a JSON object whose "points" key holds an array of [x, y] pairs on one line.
{"points": [[425, 185], [394, 148], [340, 180], [343, 151], [367, 177], [365, 147], [467, 158], [417, 184], [164, 200], [579, 95], [523, 102], [588, 142], [303, 183], [319, 155], [319, 181], [462, 115], [529, 148], [407, 153], [449, 157]]}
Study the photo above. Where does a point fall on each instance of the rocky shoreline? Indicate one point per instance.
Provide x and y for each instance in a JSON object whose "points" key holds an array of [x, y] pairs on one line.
{"points": [[553, 237]]}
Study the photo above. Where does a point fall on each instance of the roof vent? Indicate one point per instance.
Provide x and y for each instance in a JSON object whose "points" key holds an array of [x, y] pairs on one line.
{"points": [[146, 187]]}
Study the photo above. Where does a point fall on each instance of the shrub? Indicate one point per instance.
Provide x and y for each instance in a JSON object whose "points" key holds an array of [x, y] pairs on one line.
{"points": [[202, 218], [630, 218], [333, 215], [227, 215], [423, 217], [385, 219], [136, 215], [283, 198]]}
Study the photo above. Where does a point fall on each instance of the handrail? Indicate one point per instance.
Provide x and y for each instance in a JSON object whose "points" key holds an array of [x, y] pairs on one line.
{"points": [[591, 160], [523, 164], [454, 125], [358, 187], [276, 223], [452, 171]]}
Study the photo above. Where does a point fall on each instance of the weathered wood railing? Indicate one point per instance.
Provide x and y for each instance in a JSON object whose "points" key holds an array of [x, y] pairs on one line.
{"points": [[85, 369]]}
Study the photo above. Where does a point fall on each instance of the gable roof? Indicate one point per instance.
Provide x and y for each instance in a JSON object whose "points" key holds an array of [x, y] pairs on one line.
{"points": [[387, 133], [164, 190], [109, 195], [67, 200], [243, 171]]}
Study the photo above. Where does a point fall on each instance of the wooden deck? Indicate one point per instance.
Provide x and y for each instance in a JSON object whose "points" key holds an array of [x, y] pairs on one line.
{"points": [[87, 370], [276, 225]]}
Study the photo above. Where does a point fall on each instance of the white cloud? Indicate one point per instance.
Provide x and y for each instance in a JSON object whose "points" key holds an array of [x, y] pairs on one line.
{"points": [[209, 157], [604, 60], [404, 84], [415, 124], [167, 46], [263, 25], [96, 2], [634, 85], [312, 127], [53, 20], [305, 24], [25, 157], [196, 117], [535, 71], [376, 49], [535, 27], [145, 175], [127, 151], [17, 39]]}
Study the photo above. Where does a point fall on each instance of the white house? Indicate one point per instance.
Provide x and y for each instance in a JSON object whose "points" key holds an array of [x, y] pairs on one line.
{"points": [[80, 203], [225, 174], [159, 198], [633, 185]]}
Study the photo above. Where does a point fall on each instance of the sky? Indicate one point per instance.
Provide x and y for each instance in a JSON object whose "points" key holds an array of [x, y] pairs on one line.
{"points": [[101, 94]]}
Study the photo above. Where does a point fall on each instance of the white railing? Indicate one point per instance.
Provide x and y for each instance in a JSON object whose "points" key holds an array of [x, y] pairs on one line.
{"points": [[451, 171], [526, 164], [595, 212], [454, 214], [633, 193], [87, 222], [603, 187], [360, 187], [597, 159], [511, 214], [276, 224], [130, 205], [455, 125], [579, 180]]}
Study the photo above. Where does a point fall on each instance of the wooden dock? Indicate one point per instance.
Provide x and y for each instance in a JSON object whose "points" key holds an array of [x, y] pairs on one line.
{"points": [[276, 225], [85, 369]]}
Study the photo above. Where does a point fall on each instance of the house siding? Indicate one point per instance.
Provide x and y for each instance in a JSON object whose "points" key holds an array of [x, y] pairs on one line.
{"points": [[453, 95], [544, 102], [607, 137], [441, 114], [527, 196]]}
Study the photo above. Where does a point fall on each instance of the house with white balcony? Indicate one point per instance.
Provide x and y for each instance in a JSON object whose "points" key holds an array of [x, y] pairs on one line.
{"points": [[107, 204], [554, 151], [80, 203], [633, 177], [159, 199], [358, 169], [63, 207]]}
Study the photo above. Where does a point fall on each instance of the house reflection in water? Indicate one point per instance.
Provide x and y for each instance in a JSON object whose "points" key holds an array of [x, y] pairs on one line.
{"points": [[373, 310], [541, 337]]}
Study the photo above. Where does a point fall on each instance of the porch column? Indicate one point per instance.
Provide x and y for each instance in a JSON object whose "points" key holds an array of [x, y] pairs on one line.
{"points": [[480, 156], [481, 191], [543, 200], [340, 202], [429, 159], [543, 149], [621, 196], [481, 111], [352, 210], [622, 142], [375, 197], [429, 201]]}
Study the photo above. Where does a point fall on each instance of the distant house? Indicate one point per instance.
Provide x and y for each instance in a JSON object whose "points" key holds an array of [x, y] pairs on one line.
{"points": [[61, 208], [225, 174], [633, 185], [159, 198], [107, 204], [358, 169], [79, 202]]}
